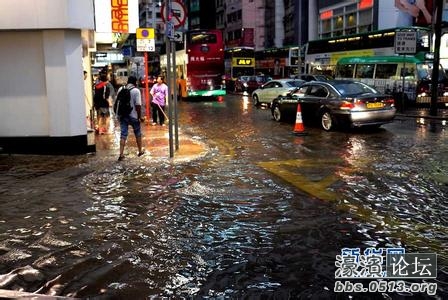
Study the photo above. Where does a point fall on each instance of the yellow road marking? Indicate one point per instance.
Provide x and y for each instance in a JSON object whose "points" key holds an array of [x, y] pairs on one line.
{"points": [[315, 188], [319, 189]]}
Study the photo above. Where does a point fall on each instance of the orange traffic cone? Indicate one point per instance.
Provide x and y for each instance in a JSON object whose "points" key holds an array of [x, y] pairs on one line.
{"points": [[299, 129]]}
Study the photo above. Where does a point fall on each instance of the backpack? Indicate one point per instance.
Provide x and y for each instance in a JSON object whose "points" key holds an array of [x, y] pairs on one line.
{"points": [[101, 95], [122, 105]]}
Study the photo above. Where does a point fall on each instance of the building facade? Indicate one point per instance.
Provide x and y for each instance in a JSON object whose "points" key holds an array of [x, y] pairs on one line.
{"points": [[46, 49]]}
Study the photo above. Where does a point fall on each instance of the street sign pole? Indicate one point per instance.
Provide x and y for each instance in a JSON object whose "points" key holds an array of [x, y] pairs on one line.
{"points": [[168, 78], [405, 43], [146, 86], [174, 15], [435, 69], [403, 83], [145, 42], [175, 115]]}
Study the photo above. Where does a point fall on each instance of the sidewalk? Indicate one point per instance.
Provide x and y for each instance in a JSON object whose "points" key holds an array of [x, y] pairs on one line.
{"points": [[156, 142]]}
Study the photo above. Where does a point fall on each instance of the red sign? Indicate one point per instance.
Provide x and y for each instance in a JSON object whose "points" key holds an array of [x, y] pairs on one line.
{"points": [[177, 15], [365, 4], [326, 14]]}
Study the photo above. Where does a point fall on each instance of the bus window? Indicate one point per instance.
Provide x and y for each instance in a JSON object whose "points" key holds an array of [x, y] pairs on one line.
{"points": [[386, 71], [407, 72], [345, 71], [364, 71]]}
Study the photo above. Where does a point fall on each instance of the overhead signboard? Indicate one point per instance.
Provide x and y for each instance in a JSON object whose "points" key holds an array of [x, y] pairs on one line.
{"points": [[405, 42]]}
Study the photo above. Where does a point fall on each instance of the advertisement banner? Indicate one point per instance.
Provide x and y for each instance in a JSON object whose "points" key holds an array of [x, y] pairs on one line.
{"points": [[418, 13]]}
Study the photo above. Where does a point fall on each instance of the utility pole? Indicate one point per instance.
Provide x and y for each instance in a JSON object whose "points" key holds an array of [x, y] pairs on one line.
{"points": [[169, 74], [438, 8]]}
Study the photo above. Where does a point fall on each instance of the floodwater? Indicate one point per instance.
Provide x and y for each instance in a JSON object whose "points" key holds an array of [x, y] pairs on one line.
{"points": [[261, 216]]}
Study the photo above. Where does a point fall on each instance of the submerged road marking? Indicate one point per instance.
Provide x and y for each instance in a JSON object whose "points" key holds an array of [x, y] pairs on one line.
{"points": [[315, 188], [294, 172]]}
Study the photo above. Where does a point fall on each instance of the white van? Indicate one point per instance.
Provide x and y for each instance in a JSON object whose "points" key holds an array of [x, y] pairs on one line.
{"points": [[121, 76]]}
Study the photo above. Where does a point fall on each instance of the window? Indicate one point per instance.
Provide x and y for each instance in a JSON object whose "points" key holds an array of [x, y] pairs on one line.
{"points": [[365, 17], [338, 22], [408, 72], [350, 20], [270, 85], [364, 71], [385, 71], [318, 91], [301, 91], [346, 20], [326, 26]]}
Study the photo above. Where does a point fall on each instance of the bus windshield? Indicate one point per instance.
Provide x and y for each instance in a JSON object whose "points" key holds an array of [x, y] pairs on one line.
{"points": [[203, 38], [424, 71]]}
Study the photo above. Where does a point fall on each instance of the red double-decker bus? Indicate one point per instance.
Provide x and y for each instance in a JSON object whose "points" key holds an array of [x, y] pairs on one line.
{"points": [[201, 64]]}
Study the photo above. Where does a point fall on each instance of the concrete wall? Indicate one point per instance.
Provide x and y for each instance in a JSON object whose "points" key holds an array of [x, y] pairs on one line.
{"points": [[42, 97]]}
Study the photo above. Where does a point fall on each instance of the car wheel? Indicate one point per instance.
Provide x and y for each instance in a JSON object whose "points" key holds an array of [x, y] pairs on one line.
{"points": [[256, 101], [326, 121], [277, 114]]}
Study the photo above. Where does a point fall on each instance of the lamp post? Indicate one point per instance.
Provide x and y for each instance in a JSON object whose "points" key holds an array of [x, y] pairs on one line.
{"points": [[171, 80], [435, 70]]}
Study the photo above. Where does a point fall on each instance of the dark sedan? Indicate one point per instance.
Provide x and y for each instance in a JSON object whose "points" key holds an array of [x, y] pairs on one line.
{"points": [[336, 103], [250, 83]]}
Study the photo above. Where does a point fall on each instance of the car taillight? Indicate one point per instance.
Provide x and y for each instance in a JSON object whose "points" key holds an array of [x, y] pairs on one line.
{"points": [[390, 101], [347, 105], [423, 89]]}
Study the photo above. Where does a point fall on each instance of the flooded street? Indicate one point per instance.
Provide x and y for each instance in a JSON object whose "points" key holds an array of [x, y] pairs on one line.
{"points": [[261, 216]]}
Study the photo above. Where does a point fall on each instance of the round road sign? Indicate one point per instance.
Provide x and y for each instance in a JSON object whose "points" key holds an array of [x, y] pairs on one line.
{"points": [[178, 13]]}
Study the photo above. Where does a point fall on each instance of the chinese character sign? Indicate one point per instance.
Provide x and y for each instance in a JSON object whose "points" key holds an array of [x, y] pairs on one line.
{"points": [[116, 16], [120, 17], [384, 263]]}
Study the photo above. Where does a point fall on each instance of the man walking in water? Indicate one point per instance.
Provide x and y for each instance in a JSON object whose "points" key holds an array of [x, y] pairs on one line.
{"points": [[133, 119]]}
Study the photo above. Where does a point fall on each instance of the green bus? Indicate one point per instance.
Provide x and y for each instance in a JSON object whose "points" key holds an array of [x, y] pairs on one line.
{"points": [[389, 74]]}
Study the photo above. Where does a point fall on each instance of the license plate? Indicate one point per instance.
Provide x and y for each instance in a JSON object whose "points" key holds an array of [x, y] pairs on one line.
{"points": [[375, 105]]}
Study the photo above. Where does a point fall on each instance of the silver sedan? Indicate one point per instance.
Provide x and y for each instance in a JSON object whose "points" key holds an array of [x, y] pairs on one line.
{"points": [[274, 88]]}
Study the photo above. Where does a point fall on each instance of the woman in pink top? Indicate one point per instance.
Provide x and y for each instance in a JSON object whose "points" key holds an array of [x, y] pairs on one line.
{"points": [[159, 93]]}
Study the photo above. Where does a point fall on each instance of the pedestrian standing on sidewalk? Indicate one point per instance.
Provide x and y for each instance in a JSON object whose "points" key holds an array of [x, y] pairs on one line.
{"points": [[102, 104], [133, 119], [159, 93], [113, 92]]}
